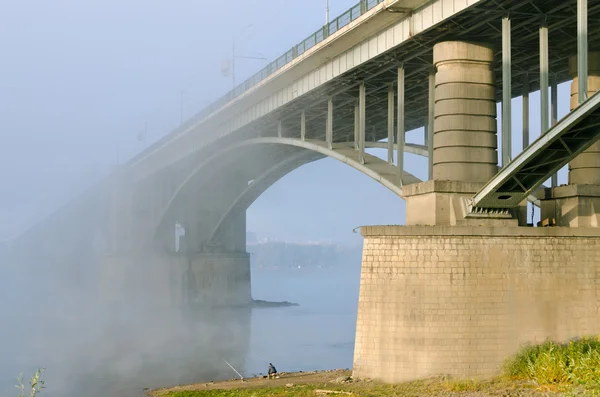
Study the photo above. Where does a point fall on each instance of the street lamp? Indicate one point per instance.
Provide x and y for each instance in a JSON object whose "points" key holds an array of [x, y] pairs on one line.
{"points": [[226, 70]]}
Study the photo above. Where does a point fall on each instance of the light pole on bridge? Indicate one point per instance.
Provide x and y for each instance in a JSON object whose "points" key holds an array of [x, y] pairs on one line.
{"points": [[228, 67], [234, 57], [142, 134]]}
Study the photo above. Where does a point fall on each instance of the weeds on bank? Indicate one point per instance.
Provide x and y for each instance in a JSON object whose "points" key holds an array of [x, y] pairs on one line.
{"points": [[36, 384], [571, 369], [574, 363]]}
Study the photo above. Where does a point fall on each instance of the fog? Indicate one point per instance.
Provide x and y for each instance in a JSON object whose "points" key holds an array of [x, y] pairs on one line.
{"points": [[79, 82]]}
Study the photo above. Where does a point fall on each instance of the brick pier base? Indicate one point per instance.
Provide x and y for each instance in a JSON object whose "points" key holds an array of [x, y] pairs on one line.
{"points": [[459, 300]]}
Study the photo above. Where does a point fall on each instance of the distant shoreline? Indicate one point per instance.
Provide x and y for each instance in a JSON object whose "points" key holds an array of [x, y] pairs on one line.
{"points": [[257, 303]]}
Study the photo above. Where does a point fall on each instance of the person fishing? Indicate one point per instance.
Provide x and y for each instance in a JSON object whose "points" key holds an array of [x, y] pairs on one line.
{"points": [[272, 371]]}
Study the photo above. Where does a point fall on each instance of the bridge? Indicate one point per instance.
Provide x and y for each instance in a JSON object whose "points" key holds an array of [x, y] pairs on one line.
{"points": [[467, 279]]}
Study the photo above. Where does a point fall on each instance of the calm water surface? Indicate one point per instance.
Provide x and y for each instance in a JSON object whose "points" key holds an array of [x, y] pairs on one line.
{"points": [[120, 361]]}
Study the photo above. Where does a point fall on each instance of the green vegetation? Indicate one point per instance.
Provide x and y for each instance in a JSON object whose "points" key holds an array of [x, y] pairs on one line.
{"points": [[36, 384], [549, 369], [574, 363], [300, 391]]}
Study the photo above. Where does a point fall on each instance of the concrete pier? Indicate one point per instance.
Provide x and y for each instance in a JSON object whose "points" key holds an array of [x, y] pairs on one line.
{"points": [[464, 138], [460, 300], [217, 279]]}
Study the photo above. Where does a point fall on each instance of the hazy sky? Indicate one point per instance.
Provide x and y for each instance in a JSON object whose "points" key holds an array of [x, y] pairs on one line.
{"points": [[80, 79]]}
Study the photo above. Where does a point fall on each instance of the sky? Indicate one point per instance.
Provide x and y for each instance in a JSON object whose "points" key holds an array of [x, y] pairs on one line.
{"points": [[80, 80]]}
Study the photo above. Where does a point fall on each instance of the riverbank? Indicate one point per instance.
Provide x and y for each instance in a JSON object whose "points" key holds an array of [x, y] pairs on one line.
{"points": [[340, 383]]}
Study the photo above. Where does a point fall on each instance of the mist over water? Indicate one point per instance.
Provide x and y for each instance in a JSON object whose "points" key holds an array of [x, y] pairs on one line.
{"points": [[82, 80], [94, 348]]}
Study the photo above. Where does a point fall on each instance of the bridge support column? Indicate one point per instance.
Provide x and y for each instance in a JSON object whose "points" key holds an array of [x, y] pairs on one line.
{"points": [[578, 203], [164, 282], [458, 301], [217, 279], [464, 139]]}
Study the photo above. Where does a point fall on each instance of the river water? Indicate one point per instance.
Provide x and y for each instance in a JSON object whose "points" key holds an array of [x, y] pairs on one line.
{"points": [[86, 356]]}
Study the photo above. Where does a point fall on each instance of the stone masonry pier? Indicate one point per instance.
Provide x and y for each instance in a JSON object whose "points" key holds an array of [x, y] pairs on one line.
{"points": [[459, 300]]}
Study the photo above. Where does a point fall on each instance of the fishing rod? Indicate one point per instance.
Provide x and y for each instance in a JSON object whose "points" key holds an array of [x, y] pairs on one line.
{"points": [[230, 366]]}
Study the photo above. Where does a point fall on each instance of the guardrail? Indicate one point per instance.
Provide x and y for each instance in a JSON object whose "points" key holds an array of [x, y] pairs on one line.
{"points": [[343, 20]]}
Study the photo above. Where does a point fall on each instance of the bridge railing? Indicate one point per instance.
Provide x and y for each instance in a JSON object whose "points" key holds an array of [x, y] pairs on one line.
{"points": [[344, 19]]}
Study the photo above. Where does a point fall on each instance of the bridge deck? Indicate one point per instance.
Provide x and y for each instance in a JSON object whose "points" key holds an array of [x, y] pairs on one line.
{"points": [[544, 157], [308, 81]]}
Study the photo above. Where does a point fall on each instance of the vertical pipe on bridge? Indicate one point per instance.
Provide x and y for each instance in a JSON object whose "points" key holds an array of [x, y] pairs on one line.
{"points": [[582, 49], [303, 125], [554, 114], [506, 92], [279, 129], [400, 126], [544, 78], [362, 121], [356, 125], [430, 121], [329, 124], [525, 111], [390, 126]]}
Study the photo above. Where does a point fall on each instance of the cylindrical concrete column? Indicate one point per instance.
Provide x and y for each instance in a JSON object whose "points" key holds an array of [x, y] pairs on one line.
{"points": [[464, 139], [585, 168]]}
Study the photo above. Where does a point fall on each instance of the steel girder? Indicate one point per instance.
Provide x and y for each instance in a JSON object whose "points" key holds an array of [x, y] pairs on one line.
{"points": [[545, 156]]}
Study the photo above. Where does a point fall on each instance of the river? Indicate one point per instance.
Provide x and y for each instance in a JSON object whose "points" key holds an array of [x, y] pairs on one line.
{"points": [[86, 356]]}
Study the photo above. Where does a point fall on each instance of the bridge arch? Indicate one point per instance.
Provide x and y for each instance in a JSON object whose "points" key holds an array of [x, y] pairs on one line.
{"points": [[305, 151]]}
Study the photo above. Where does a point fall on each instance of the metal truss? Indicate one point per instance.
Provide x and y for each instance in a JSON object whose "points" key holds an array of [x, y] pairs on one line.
{"points": [[549, 153]]}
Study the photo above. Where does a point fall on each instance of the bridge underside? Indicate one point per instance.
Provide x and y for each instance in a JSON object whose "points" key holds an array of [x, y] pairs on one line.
{"points": [[214, 196], [479, 23]]}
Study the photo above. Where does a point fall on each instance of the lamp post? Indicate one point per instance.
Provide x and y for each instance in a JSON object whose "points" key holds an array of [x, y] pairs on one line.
{"points": [[233, 58], [226, 70]]}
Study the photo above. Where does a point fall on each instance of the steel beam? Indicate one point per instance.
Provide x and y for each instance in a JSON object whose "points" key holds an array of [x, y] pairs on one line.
{"points": [[413, 148], [544, 78], [554, 115], [525, 111], [400, 126], [303, 125], [430, 121], [573, 134], [390, 120], [506, 93], [582, 49], [362, 97], [329, 126]]}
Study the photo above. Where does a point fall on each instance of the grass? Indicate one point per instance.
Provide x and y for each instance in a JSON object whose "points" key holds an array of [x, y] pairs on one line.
{"points": [[576, 363], [549, 369], [36, 384], [438, 387], [299, 391]]}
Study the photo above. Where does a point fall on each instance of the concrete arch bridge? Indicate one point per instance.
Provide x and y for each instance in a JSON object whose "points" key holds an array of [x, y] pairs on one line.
{"points": [[382, 68]]}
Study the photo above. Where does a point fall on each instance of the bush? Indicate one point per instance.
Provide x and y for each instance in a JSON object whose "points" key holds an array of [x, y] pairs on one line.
{"points": [[574, 363]]}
